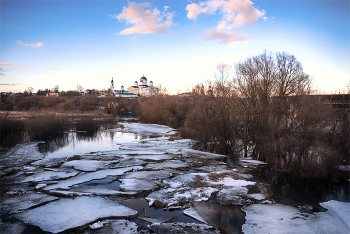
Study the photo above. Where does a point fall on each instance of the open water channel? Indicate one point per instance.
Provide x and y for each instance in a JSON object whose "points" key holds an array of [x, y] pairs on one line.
{"points": [[139, 178]]}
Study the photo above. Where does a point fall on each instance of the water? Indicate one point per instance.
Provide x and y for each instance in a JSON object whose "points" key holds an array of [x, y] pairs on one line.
{"points": [[291, 190], [287, 189]]}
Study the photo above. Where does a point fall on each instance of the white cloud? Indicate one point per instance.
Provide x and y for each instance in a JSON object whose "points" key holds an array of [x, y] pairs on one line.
{"points": [[39, 44], [144, 19], [235, 12], [265, 18], [225, 37]]}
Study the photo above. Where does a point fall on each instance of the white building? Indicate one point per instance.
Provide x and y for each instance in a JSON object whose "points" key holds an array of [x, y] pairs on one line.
{"points": [[143, 89]]}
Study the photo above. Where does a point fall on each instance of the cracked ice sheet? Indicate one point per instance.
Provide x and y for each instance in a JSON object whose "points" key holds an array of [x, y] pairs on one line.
{"points": [[149, 129], [277, 218], [49, 175], [26, 201], [137, 185], [121, 226], [173, 197], [88, 165], [69, 213], [162, 174], [84, 177], [92, 191], [166, 164]]}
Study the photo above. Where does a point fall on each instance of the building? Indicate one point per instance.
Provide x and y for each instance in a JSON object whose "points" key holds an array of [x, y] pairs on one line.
{"points": [[136, 90], [142, 89]]}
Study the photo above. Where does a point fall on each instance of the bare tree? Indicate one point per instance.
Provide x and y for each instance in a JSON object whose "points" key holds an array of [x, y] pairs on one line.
{"points": [[80, 88]]}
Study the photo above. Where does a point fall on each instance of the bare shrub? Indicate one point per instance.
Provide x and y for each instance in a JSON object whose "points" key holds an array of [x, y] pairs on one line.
{"points": [[11, 131], [47, 126]]}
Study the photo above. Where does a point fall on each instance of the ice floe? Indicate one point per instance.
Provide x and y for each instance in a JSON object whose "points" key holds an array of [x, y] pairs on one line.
{"points": [[83, 177], [65, 214], [149, 129], [49, 175], [88, 165], [137, 185], [277, 218], [192, 212], [120, 226], [25, 201], [166, 164]]}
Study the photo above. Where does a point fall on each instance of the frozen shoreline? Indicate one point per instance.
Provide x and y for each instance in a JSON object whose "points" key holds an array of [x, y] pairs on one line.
{"points": [[167, 173]]}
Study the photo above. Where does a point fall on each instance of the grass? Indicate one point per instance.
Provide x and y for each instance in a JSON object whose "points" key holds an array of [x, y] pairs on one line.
{"points": [[46, 127], [11, 131]]}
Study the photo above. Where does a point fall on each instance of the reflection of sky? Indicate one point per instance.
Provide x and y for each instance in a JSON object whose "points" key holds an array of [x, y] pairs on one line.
{"points": [[105, 141]]}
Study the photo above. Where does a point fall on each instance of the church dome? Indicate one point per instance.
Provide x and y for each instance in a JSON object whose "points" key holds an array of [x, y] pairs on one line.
{"points": [[143, 78]]}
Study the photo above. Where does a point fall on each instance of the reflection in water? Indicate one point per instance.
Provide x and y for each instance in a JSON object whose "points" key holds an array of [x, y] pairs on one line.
{"points": [[53, 144], [291, 190], [226, 218]]}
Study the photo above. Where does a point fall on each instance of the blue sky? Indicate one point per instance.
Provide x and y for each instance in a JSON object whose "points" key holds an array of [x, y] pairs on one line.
{"points": [[175, 43]]}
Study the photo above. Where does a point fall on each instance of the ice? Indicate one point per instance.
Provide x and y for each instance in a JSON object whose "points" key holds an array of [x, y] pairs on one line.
{"points": [[50, 162], [251, 162], [277, 218], [121, 226], [192, 212], [84, 177], [166, 164], [49, 175], [88, 165], [230, 182], [149, 129], [69, 213], [156, 157], [231, 194], [91, 191], [191, 152], [21, 155], [150, 175], [182, 228], [26, 201], [137, 185]]}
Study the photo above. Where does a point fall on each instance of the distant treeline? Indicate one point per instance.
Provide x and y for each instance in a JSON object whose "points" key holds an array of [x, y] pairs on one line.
{"points": [[261, 107]]}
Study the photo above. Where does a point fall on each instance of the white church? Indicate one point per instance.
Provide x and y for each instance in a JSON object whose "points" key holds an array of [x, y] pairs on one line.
{"points": [[138, 89]]}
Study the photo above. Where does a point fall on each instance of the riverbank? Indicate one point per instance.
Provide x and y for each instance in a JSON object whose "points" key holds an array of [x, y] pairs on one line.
{"points": [[148, 181]]}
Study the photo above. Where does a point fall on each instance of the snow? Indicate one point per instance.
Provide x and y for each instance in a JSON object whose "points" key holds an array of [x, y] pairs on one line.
{"points": [[137, 185], [230, 182], [92, 191], [49, 175], [69, 213], [120, 226], [25, 201], [88, 165], [84, 177], [277, 218], [149, 129]]}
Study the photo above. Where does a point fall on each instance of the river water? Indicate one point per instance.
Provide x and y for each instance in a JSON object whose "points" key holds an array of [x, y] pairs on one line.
{"points": [[110, 149]]}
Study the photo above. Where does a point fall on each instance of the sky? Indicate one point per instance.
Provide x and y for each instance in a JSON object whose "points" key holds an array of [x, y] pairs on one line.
{"points": [[174, 43]]}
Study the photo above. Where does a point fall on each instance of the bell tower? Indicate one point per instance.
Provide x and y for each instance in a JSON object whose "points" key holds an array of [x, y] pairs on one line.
{"points": [[112, 87]]}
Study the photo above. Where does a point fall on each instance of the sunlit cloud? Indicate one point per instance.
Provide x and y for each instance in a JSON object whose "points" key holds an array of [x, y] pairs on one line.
{"points": [[144, 19], [235, 12], [6, 64], [39, 44], [265, 18], [225, 37], [22, 66]]}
